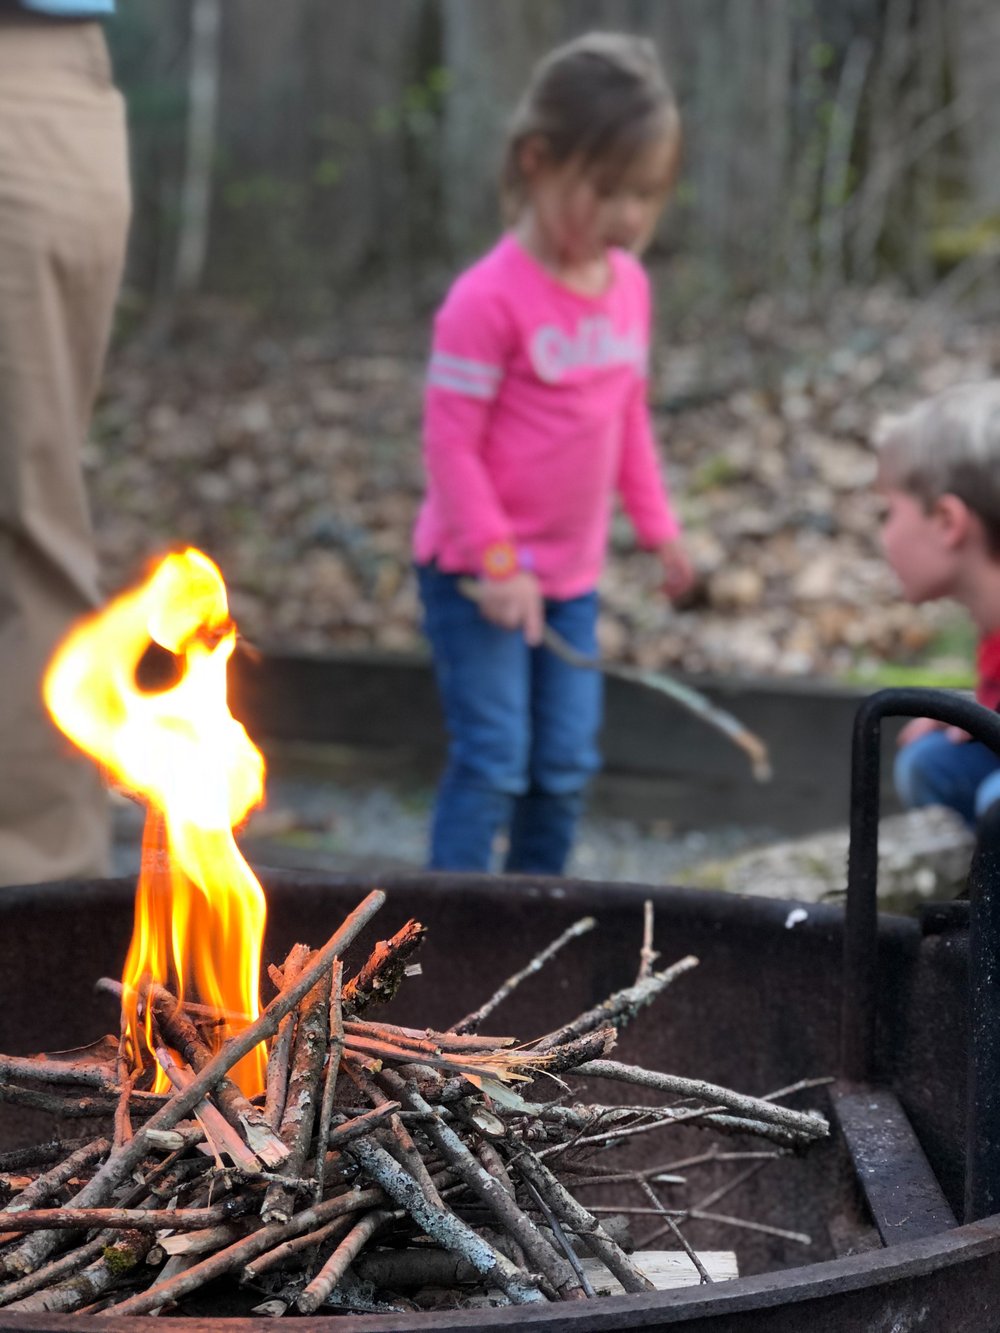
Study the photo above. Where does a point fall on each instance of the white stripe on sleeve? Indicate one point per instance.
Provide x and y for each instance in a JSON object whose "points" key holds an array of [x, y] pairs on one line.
{"points": [[460, 374]]}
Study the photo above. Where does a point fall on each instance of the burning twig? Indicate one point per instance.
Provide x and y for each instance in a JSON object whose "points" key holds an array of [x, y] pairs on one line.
{"points": [[300, 1103], [245, 1118], [281, 1051], [219, 1134], [121, 1163]]}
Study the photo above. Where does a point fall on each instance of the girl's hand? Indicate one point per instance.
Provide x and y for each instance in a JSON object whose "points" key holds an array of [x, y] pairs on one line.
{"points": [[678, 571], [514, 603], [923, 726]]}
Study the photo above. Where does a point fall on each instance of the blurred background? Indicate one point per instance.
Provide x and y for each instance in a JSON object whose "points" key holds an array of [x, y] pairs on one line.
{"points": [[308, 178]]}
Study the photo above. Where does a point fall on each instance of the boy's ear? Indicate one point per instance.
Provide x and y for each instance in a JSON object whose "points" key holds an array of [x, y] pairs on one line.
{"points": [[955, 518]]}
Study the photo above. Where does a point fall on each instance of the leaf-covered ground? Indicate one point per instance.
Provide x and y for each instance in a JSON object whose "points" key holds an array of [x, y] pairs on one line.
{"points": [[295, 463]]}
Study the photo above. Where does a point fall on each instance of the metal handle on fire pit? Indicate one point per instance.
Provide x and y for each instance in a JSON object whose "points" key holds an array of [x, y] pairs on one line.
{"points": [[860, 976]]}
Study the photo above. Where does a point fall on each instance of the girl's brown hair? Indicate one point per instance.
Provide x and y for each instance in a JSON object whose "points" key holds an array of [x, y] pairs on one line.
{"points": [[601, 99]]}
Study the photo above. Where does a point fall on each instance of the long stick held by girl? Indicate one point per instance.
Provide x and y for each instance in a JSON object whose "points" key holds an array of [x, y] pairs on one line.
{"points": [[535, 416]]}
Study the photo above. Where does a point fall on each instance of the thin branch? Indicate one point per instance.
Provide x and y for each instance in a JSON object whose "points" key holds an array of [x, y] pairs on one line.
{"points": [[471, 1022]]}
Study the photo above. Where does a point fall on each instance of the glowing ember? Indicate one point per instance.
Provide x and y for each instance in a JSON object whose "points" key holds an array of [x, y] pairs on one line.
{"points": [[199, 911]]}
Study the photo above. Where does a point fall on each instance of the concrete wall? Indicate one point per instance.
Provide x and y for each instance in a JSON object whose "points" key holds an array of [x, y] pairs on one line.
{"points": [[661, 762]]}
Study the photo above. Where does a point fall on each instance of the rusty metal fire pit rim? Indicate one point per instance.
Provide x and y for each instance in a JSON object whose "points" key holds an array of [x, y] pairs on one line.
{"points": [[769, 1291], [710, 905]]}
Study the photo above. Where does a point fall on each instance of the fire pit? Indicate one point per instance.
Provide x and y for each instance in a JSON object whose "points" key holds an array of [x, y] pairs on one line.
{"points": [[876, 1206], [761, 1010]]}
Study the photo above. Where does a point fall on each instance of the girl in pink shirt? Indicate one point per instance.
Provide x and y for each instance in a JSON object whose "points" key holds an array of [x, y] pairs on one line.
{"points": [[535, 417]]}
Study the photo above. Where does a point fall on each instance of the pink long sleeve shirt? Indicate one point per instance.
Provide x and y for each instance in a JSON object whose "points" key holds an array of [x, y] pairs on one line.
{"points": [[535, 415]]}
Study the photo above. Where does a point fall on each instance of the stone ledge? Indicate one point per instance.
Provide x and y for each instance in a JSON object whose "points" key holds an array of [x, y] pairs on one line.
{"points": [[923, 856]]}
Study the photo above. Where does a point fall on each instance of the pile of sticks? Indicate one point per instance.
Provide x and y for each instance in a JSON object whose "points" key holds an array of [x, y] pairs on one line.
{"points": [[385, 1168]]}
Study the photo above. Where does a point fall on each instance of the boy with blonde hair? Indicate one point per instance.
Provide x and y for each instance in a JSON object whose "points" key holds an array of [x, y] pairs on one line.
{"points": [[939, 472]]}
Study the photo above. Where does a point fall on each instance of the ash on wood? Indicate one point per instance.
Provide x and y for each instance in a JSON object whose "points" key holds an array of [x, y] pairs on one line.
{"points": [[387, 1167]]}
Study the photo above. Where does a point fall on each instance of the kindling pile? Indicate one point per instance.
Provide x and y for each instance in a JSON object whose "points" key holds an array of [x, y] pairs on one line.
{"points": [[384, 1168]]}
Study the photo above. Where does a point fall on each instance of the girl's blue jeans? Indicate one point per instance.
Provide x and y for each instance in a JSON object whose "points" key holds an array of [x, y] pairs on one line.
{"points": [[522, 727], [936, 771]]}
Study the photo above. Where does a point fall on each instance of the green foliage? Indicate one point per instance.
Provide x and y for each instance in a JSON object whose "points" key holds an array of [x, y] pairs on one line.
{"points": [[715, 472], [120, 1259], [951, 244], [893, 674], [821, 55], [417, 113], [262, 191], [947, 662], [327, 172], [155, 91]]}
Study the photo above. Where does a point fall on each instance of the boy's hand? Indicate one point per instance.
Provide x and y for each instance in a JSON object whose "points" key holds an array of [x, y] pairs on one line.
{"points": [[923, 726], [514, 603], [678, 571]]}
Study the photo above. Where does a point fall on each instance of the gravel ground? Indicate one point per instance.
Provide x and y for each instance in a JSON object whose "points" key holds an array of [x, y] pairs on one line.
{"points": [[313, 823]]}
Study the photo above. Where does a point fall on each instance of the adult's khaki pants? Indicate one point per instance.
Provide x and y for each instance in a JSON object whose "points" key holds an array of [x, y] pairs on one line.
{"points": [[64, 209]]}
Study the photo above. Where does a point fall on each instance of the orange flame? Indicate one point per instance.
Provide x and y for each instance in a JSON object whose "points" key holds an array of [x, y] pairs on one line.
{"points": [[199, 909]]}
